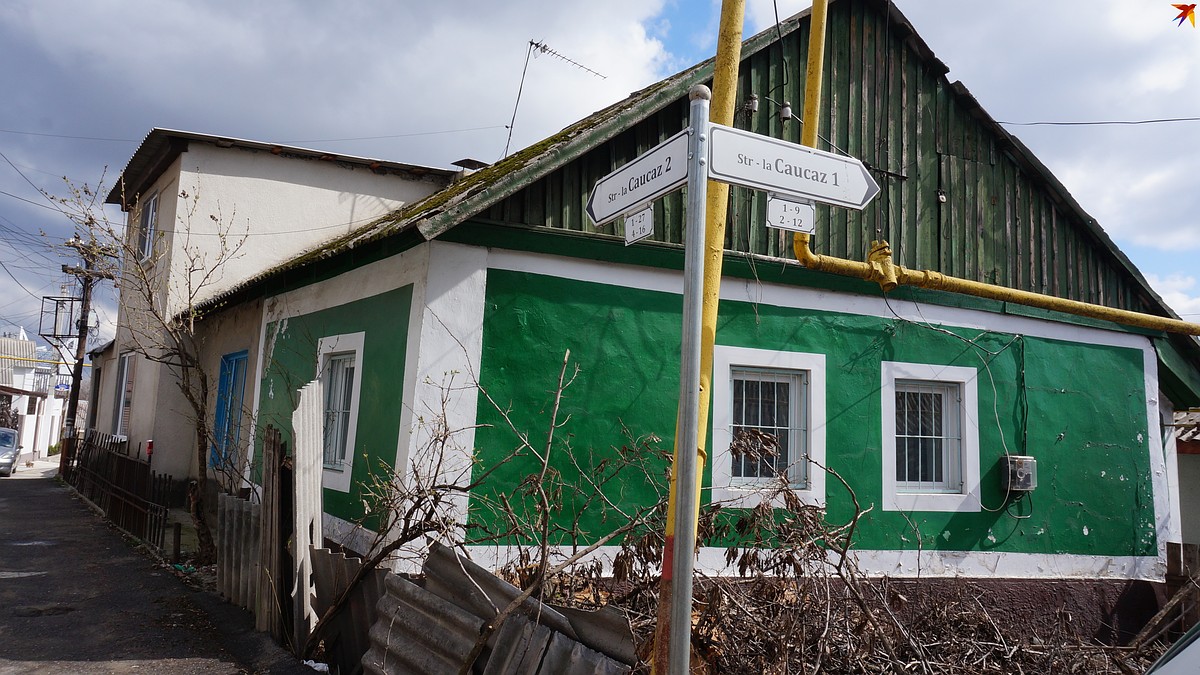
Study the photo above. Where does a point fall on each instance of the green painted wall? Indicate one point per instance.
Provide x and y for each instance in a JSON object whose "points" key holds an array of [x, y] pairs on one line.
{"points": [[292, 363], [1079, 408]]}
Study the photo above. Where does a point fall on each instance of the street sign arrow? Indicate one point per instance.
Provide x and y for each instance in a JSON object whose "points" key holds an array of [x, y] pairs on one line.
{"points": [[653, 174], [765, 163]]}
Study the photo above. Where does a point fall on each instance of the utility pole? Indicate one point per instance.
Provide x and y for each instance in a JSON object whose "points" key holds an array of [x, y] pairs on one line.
{"points": [[88, 276]]}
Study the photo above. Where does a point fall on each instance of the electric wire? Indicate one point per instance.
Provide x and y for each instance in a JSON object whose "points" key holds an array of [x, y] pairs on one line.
{"points": [[18, 282], [28, 201], [409, 135], [972, 342], [76, 138], [1099, 123]]}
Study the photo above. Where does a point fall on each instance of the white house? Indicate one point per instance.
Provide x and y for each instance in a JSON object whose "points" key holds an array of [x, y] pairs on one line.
{"points": [[205, 214]]}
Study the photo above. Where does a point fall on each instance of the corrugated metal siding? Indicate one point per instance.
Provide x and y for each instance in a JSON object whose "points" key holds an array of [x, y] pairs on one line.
{"points": [[1003, 221], [306, 509], [15, 353], [238, 531]]}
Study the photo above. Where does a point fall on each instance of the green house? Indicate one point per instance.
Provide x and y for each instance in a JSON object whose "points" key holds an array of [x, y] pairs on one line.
{"points": [[447, 324]]}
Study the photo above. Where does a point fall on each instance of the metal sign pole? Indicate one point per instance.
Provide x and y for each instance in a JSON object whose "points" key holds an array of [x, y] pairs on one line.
{"points": [[686, 445]]}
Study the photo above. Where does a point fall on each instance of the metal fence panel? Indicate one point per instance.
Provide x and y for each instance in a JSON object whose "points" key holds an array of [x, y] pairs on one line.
{"points": [[130, 495]]}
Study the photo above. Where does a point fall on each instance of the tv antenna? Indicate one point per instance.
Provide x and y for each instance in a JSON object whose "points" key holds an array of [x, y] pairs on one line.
{"points": [[536, 47]]}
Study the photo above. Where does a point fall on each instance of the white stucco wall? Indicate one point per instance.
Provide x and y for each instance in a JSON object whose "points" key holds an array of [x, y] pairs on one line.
{"points": [[277, 206], [1189, 499]]}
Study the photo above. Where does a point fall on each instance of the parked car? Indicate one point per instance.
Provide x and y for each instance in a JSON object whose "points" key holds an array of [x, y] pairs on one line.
{"points": [[8, 451]]}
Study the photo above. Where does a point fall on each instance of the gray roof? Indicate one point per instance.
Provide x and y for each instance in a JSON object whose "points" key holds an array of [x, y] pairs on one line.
{"points": [[163, 146], [15, 353]]}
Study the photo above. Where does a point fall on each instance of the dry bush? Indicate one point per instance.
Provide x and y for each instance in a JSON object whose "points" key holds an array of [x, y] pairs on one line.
{"points": [[800, 605]]}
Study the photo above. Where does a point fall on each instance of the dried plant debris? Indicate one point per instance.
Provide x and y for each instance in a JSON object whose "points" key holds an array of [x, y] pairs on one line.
{"points": [[801, 606]]}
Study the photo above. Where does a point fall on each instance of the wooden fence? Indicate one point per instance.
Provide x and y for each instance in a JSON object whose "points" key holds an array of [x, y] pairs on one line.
{"points": [[130, 495]]}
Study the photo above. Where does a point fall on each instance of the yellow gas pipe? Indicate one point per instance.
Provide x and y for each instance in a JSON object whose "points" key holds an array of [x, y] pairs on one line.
{"points": [[880, 269]]}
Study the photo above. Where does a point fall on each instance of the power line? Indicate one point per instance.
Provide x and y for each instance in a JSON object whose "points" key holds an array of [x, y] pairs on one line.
{"points": [[29, 201], [77, 138], [10, 275], [379, 138], [32, 185], [1098, 123]]}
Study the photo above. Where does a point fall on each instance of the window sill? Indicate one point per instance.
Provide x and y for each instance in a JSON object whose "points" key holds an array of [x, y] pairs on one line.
{"points": [[751, 496], [946, 503], [336, 478]]}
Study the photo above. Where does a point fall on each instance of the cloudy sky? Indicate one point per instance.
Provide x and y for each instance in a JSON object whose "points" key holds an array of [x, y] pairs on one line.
{"points": [[434, 82]]}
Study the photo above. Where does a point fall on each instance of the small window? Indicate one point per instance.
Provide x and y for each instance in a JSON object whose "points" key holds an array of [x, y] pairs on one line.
{"points": [[340, 367], [339, 389], [124, 397], [227, 430], [930, 438], [147, 226], [768, 425]]}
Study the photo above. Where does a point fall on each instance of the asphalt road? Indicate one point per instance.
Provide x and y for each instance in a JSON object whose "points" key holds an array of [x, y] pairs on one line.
{"points": [[76, 598]]}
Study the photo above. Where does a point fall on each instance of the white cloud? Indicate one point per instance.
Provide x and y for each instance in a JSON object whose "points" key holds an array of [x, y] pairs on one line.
{"points": [[1180, 291]]}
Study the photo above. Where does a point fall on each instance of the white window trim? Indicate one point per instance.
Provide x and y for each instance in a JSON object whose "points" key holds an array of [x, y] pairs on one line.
{"points": [[123, 363], [725, 360], [148, 229], [339, 478], [967, 378]]}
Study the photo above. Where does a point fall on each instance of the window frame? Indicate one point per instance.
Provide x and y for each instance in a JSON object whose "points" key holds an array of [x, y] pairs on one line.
{"points": [[147, 227], [900, 497], [742, 492], [231, 400], [126, 368], [334, 476]]}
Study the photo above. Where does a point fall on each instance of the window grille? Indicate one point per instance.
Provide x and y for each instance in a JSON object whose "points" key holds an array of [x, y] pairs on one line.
{"points": [[769, 433], [928, 436]]}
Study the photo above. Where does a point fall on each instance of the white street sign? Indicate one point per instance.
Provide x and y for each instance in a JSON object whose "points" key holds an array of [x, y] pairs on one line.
{"points": [[639, 225], [789, 214], [765, 163], [652, 175]]}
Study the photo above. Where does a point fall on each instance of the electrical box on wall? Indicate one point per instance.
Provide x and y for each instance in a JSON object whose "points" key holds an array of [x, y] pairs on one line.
{"points": [[1019, 473]]}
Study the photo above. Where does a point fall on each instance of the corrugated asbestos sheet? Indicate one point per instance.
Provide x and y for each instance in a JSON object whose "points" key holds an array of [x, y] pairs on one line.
{"points": [[433, 629], [306, 510], [238, 529], [15, 352], [348, 639], [959, 194]]}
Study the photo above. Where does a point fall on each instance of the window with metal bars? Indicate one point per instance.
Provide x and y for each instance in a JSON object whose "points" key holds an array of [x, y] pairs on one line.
{"points": [[928, 437], [768, 430], [339, 391]]}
